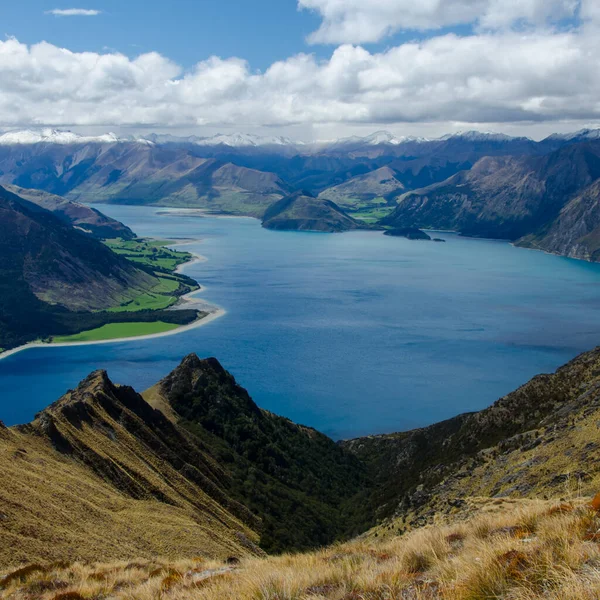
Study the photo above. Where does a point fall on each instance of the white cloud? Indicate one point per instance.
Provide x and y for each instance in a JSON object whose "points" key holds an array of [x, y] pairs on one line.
{"points": [[361, 21], [73, 12], [500, 76]]}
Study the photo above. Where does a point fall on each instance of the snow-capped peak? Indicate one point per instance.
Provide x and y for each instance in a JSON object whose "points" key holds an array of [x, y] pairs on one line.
{"points": [[478, 136], [53, 136], [240, 140], [583, 134]]}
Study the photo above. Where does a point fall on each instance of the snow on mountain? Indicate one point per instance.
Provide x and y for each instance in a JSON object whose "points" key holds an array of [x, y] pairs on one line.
{"points": [[55, 136], [479, 136], [241, 140], [582, 134]]}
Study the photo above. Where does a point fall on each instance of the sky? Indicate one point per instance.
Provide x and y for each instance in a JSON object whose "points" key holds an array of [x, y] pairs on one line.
{"points": [[310, 69]]}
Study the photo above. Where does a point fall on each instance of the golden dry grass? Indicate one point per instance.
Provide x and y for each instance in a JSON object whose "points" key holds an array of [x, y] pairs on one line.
{"points": [[509, 550]]}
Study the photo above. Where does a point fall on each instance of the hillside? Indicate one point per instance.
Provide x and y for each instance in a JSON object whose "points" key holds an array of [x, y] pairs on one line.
{"points": [[296, 479], [506, 197], [504, 549], [303, 212], [54, 279], [363, 193], [576, 230], [99, 475], [139, 173], [537, 442], [86, 219], [496, 504]]}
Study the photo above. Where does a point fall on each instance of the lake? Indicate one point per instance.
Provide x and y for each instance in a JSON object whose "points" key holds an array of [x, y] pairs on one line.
{"points": [[353, 333]]}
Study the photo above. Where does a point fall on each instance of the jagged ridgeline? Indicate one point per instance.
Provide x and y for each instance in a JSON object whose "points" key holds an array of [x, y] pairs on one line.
{"points": [[102, 475], [194, 468]]}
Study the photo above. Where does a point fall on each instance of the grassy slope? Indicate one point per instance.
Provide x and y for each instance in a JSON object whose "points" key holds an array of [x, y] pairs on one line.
{"points": [[100, 475], [117, 331], [509, 550]]}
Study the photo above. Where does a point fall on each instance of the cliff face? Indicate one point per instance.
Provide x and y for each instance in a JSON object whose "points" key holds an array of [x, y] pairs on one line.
{"points": [[100, 475]]}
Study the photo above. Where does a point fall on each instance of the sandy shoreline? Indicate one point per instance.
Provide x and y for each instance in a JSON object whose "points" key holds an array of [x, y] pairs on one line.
{"points": [[187, 298]]}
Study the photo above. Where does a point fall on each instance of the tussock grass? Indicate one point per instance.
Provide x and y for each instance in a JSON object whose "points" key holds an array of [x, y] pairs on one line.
{"points": [[512, 551]]}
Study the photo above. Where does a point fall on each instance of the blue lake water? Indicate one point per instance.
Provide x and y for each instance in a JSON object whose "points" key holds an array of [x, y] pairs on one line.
{"points": [[351, 333]]}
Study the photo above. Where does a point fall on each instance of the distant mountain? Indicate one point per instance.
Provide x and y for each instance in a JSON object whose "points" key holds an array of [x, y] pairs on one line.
{"points": [[502, 197], [243, 174], [303, 212], [365, 191], [84, 218], [576, 230], [139, 173], [55, 136]]}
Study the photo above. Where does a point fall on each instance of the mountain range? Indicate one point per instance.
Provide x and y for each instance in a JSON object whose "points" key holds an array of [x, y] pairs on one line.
{"points": [[539, 194]]}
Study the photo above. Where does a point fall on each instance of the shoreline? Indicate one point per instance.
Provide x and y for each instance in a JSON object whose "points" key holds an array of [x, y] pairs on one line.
{"points": [[209, 317]]}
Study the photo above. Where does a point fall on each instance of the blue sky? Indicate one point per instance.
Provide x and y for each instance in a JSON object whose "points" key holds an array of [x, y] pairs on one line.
{"points": [[343, 66], [186, 31]]}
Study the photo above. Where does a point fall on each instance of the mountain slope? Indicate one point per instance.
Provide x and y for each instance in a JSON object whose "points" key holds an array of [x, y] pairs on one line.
{"points": [[296, 479], [86, 219], [139, 173], [503, 197], [364, 191], [100, 475], [59, 264], [576, 230], [538, 441], [57, 280], [303, 212]]}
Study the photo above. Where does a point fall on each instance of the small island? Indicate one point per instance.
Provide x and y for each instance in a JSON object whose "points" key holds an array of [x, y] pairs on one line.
{"points": [[411, 233]]}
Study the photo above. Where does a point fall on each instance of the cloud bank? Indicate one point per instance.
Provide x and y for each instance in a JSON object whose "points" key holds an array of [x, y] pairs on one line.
{"points": [[359, 21], [73, 12], [500, 75]]}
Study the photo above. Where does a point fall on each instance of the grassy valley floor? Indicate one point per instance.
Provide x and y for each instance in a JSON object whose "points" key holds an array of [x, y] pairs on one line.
{"points": [[117, 330]]}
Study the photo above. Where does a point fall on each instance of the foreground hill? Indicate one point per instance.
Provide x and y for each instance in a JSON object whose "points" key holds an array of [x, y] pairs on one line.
{"points": [[302, 212], [503, 549], [100, 475], [296, 479], [86, 219], [511, 198], [54, 279], [506, 494], [537, 442]]}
